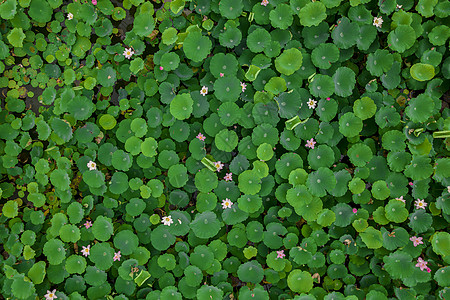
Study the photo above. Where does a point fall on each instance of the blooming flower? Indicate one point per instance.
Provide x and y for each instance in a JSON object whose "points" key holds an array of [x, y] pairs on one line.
{"points": [[128, 52], [310, 143], [92, 165], [421, 264], [50, 295], [200, 136], [117, 256], [94, 2], [280, 254], [311, 103], [377, 21], [328, 98], [420, 204], [448, 189], [86, 250], [416, 240], [226, 203], [410, 183], [228, 177], [204, 91], [87, 224], [161, 68], [401, 199], [167, 220], [221, 74], [399, 6], [218, 165], [354, 210], [428, 270], [265, 2], [69, 16], [243, 86]]}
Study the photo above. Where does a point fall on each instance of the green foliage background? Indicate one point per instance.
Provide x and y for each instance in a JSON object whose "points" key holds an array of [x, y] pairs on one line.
{"points": [[332, 125]]}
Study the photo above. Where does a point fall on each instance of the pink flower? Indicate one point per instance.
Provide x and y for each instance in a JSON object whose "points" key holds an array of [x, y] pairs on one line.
{"points": [[86, 250], [117, 256], [218, 165], [228, 177], [328, 99], [310, 143], [94, 2], [161, 68], [354, 210], [280, 254], [401, 199], [265, 2], [50, 295], [87, 224], [420, 204], [410, 183], [200, 136], [428, 270], [416, 240], [221, 74], [421, 263], [243, 86]]}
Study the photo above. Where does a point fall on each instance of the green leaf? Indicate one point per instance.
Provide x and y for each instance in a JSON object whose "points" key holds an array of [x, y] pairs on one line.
{"points": [[422, 72]]}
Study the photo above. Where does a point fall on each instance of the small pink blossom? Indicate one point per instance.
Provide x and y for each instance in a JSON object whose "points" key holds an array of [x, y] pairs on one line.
{"points": [[221, 74], [401, 199], [86, 250], [218, 165], [310, 143], [264, 2], [280, 254], [200, 136], [161, 68], [87, 224], [428, 270], [420, 204], [328, 98], [416, 240], [410, 183], [243, 86], [421, 264], [228, 177], [354, 210], [94, 2], [50, 295], [117, 256]]}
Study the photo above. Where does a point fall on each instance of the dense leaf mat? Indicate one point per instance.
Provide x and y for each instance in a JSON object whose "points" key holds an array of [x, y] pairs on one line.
{"points": [[225, 149]]}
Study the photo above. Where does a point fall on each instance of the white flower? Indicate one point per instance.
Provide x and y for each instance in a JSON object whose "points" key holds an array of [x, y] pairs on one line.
{"points": [[92, 165], [86, 250], [448, 189], [226, 203], [264, 2], [50, 295], [420, 204], [204, 91], [377, 21], [401, 199], [311, 103], [167, 220], [399, 6], [128, 52], [218, 165], [69, 16]]}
